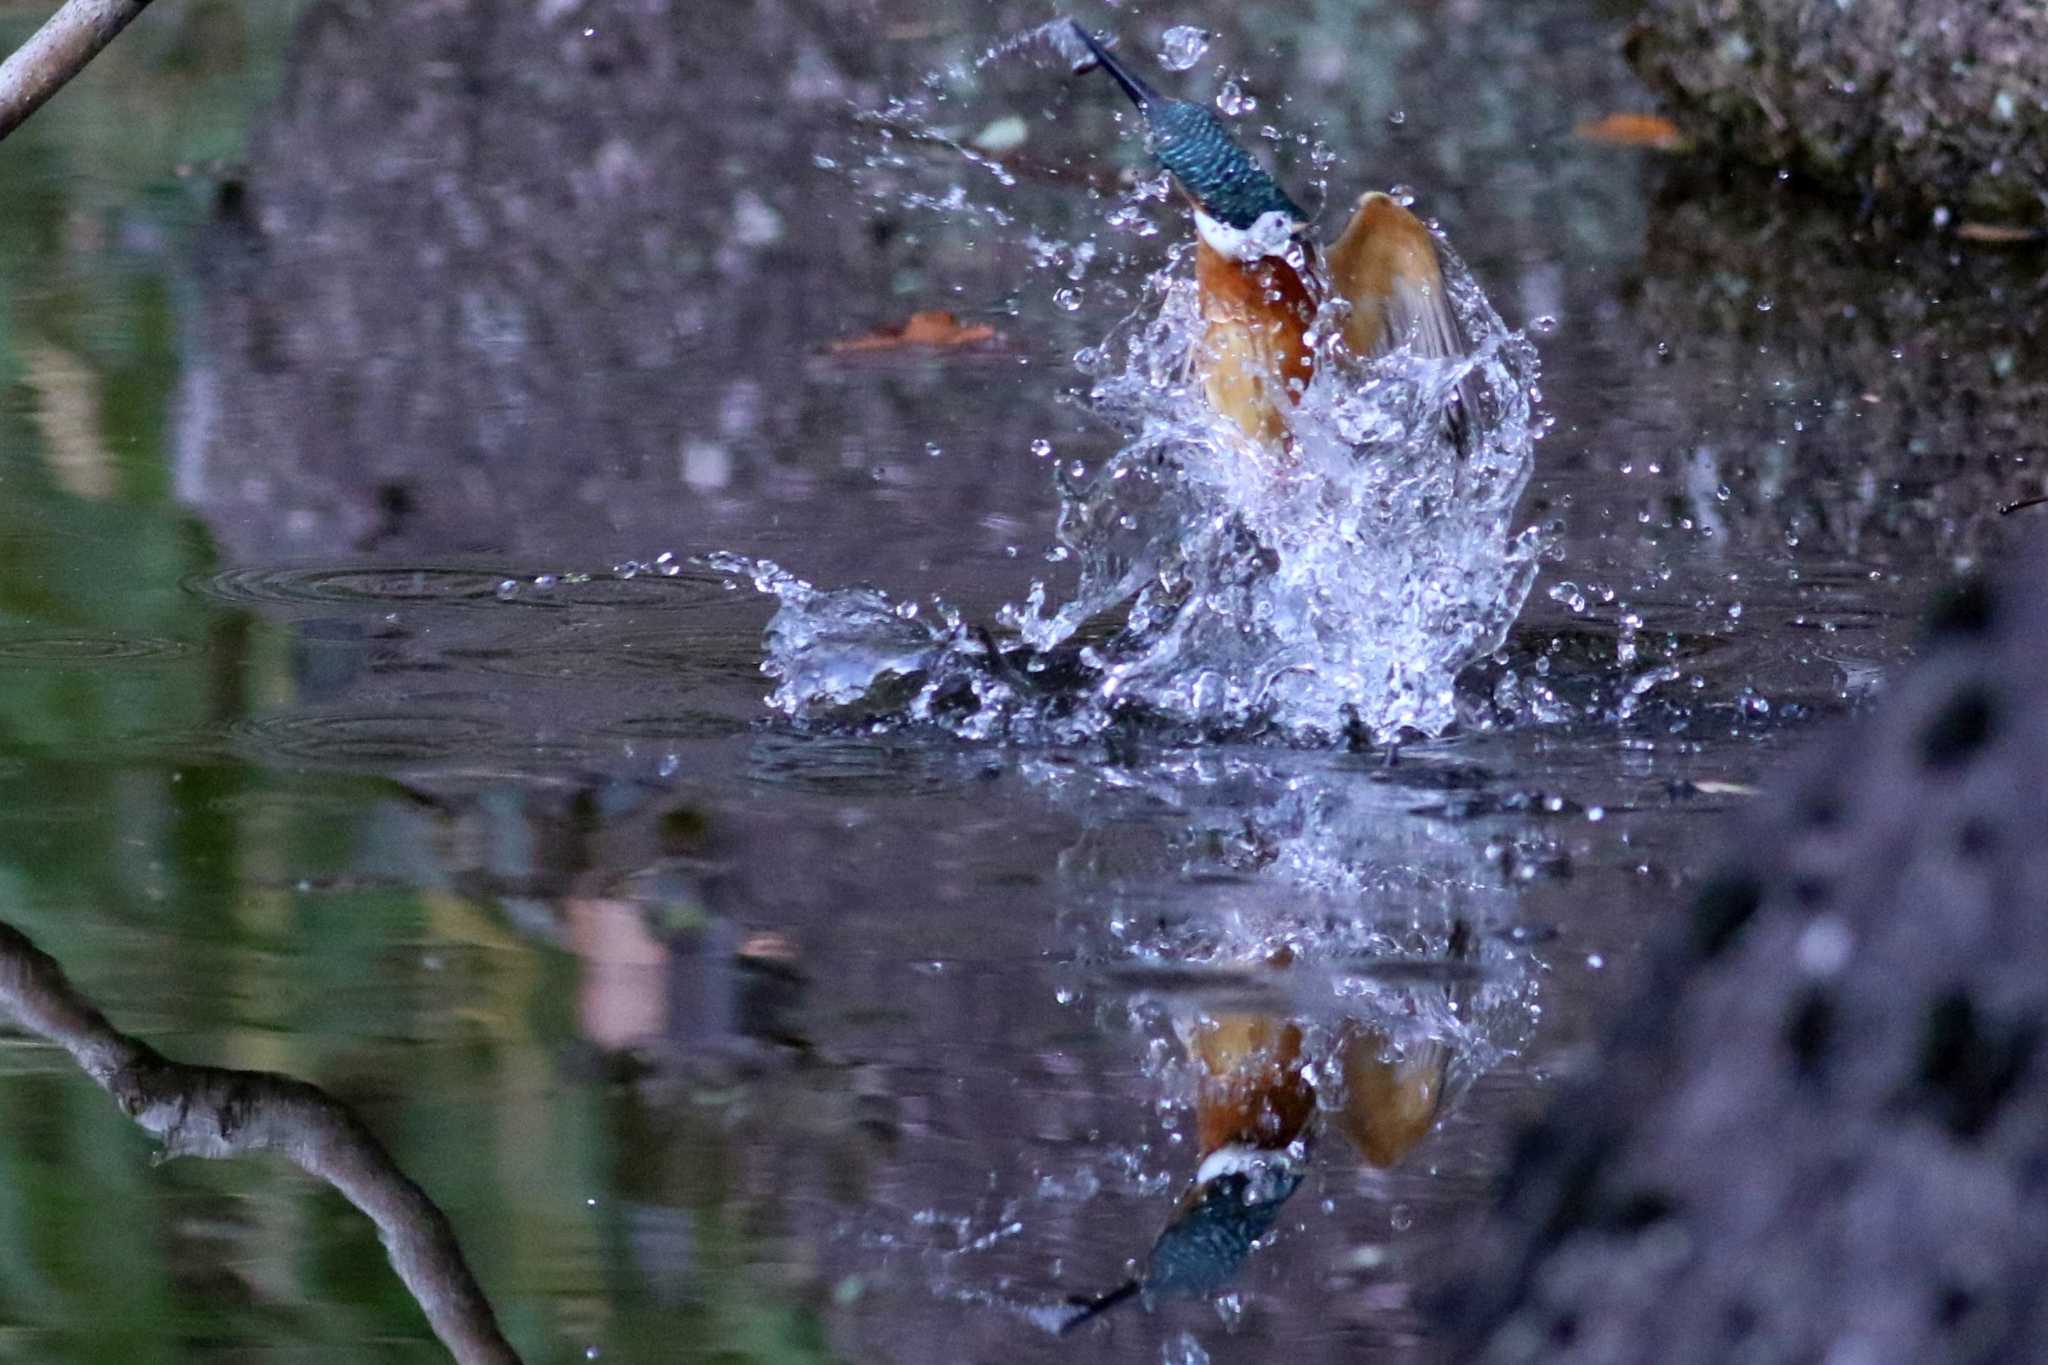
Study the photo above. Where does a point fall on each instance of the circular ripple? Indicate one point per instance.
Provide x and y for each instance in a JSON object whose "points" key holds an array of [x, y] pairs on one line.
{"points": [[368, 739], [680, 726], [78, 651], [859, 766], [671, 655], [449, 586]]}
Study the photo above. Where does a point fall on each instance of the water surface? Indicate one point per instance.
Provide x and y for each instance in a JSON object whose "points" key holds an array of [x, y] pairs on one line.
{"points": [[366, 389]]}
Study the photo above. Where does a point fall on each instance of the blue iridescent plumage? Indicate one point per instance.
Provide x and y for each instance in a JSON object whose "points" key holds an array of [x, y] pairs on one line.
{"points": [[1197, 150], [1202, 1248], [1192, 144]]}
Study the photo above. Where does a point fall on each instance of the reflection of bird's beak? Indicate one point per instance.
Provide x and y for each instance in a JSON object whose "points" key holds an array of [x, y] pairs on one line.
{"points": [[1095, 1306], [1141, 94]]}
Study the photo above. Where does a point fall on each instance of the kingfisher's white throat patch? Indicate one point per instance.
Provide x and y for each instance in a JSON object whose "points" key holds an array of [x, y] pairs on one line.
{"points": [[1268, 236], [1238, 1158]]}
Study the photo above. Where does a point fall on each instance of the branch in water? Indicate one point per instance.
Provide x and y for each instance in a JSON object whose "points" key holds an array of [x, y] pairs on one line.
{"points": [[58, 51], [208, 1111]]}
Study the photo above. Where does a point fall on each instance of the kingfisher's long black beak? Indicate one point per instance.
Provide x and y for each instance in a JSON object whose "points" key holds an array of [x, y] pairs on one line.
{"points": [[1095, 1306], [1141, 94]]}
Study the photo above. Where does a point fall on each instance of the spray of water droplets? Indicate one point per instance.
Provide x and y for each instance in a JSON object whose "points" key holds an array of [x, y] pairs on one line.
{"points": [[1337, 586]]}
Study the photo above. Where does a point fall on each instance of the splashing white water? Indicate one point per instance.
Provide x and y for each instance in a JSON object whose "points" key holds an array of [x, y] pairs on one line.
{"points": [[1336, 587]]}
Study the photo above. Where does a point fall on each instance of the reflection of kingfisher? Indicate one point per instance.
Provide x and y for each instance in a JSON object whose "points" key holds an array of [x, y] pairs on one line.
{"points": [[1262, 278], [1254, 1105]]}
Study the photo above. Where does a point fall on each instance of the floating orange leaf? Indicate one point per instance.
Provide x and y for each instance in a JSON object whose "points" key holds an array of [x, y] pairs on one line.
{"points": [[2002, 234], [766, 945], [932, 327], [1654, 131]]}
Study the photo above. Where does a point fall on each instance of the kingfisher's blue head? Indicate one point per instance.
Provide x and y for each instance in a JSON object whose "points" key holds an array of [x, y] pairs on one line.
{"points": [[1242, 210]]}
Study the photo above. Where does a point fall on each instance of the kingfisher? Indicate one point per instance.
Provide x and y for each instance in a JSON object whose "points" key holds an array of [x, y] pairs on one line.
{"points": [[1255, 1112], [1262, 277], [1253, 1103]]}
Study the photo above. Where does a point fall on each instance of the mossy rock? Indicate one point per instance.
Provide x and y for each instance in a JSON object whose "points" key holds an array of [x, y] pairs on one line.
{"points": [[1926, 107]]}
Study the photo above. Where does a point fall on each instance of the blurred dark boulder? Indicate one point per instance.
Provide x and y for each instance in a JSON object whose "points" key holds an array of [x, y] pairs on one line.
{"points": [[1821, 1133], [1941, 104]]}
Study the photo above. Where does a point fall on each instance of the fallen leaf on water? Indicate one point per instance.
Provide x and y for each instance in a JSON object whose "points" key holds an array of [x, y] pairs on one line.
{"points": [[932, 327], [1004, 135], [766, 945], [1654, 131], [2002, 233], [1713, 788]]}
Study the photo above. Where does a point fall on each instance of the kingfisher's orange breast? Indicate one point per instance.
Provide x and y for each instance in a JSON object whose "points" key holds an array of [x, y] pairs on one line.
{"points": [[1253, 1091], [1255, 358]]}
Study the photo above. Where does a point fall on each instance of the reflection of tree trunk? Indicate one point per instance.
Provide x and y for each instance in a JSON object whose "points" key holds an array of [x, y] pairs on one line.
{"points": [[58, 51], [216, 1112]]}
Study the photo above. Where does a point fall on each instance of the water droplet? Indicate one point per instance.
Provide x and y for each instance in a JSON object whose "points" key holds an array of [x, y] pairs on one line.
{"points": [[1232, 100], [1398, 117], [1543, 325], [1824, 946], [507, 589], [1182, 46], [1041, 447], [1068, 299], [1764, 304], [1568, 594]]}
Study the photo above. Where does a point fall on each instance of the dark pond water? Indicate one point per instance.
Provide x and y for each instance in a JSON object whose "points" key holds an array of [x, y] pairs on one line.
{"points": [[345, 358]]}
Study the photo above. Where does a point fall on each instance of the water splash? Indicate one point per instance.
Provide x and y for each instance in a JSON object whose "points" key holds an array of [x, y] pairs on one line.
{"points": [[1335, 587]]}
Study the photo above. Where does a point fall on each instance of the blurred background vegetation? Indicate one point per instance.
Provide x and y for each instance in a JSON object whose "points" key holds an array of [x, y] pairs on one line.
{"points": [[168, 878]]}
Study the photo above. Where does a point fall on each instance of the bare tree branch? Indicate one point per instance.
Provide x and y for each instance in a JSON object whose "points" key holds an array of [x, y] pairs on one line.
{"points": [[211, 1111], [58, 51]]}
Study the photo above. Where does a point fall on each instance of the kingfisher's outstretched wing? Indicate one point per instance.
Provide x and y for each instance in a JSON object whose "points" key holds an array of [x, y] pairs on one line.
{"points": [[1385, 266], [1391, 1103]]}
